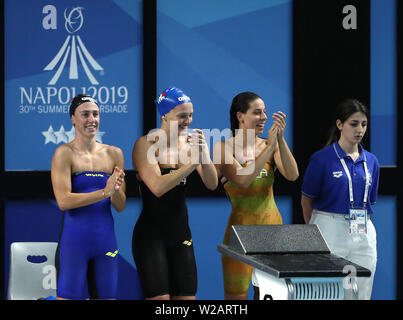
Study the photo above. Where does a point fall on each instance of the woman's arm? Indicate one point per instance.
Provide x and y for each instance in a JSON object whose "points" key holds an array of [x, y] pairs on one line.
{"points": [[306, 204], [118, 199], [208, 174], [231, 169], [61, 183], [149, 170], [283, 157], [206, 169], [285, 161]]}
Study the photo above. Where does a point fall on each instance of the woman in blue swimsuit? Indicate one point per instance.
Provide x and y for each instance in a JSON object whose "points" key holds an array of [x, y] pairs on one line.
{"points": [[87, 177]]}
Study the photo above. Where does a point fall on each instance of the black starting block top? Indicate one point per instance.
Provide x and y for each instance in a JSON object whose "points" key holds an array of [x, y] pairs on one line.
{"points": [[286, 251]]}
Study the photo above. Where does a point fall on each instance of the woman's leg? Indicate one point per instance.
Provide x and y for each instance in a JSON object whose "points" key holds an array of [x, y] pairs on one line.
{"points": [[237, 277]]}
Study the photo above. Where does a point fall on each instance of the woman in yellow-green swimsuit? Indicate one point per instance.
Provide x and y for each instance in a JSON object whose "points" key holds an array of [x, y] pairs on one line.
{"points": [[247, 163]]}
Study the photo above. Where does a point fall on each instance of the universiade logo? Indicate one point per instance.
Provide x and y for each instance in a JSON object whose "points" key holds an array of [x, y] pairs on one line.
{"points": [[73, 23]]}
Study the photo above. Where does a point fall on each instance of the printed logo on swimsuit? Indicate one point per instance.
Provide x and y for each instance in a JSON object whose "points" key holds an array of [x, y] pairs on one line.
{"points": [[74, 20], [182, 182], [337, 174], [112, 254], [94, 175], [187, 243]]}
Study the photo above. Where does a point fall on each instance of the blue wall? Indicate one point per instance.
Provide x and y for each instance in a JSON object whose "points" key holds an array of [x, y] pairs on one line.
{"points": [[383, 122], [383, 126], [385, 222], [234, 46]]}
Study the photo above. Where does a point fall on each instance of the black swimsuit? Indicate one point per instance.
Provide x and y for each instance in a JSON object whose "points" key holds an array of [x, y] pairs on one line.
{"points": [[162, 244]]}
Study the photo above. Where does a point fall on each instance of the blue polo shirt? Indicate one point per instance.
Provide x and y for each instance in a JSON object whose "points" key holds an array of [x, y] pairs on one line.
{"points": [[326, 181]]}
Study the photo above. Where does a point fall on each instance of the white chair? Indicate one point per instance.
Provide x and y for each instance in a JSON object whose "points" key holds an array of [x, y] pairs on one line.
{"points": [[32, 270]]}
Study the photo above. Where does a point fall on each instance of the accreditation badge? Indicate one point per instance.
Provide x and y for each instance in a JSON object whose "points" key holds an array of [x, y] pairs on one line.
{"points": [[358, 221]]}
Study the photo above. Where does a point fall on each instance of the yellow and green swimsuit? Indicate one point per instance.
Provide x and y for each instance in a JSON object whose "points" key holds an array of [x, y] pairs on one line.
{"points": [[250, 206]]}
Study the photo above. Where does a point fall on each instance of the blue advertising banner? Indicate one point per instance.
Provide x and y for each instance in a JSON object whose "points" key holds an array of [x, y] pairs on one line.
{"points": [[214, 50], [63, 48]]}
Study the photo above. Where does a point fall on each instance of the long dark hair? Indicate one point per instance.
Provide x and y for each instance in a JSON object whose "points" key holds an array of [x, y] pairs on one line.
{"points": [[240, 103], [343, 111]]}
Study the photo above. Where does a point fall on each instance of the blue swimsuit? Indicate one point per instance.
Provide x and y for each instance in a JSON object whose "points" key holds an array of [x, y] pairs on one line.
{"points": [[87, 250]]}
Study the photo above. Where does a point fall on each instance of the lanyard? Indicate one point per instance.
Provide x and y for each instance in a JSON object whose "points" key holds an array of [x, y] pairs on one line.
{"points": [[350, 183]]}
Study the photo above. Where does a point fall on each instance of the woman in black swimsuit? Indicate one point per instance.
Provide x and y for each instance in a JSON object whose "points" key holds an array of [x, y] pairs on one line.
{"points": [[162, 241]]}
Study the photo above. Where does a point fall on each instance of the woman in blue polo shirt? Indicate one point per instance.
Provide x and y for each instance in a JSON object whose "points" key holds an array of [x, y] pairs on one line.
{"points": [[339, 188]]}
